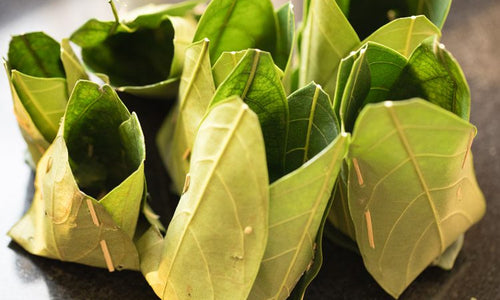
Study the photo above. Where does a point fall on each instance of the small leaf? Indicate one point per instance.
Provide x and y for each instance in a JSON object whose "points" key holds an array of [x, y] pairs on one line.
{"points": [[298, 203], [35, 54], [228, 157], [285, 35], [404, 34], [175, 139], [412, 188], [257, 81], [433, 74], [312, 125], [226, 64], [234, 25], [326, 39], [72, 66]]}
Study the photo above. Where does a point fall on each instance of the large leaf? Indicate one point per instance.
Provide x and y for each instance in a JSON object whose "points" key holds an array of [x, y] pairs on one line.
{"points": [[312, 125], [433, 74], [326, 39], [404, 34], [412, 188], [67, 223], [233, 25], [257, 81], [297, 204], [196, 90], [142, 57], [228, 158], [366, 15]]}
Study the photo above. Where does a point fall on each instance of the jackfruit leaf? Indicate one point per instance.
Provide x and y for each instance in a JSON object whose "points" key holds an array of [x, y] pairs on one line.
{"points": [[285, 36], [143, 57], [366, 15], [67, 223], [433, 74], [234, 25], [327, 38], [226, 64], [224, 257], [412, 188], [195, 92], [373, 74], [404, 34], [298, 202], [151, 13], [257, 81], [312, 125], [72, 66]]}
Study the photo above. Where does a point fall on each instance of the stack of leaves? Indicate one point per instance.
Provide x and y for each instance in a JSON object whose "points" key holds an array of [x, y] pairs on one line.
{"points": [[264, 148]]}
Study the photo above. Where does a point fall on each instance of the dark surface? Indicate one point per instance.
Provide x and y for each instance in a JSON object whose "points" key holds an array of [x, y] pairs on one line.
{"points": [[471, 34]]}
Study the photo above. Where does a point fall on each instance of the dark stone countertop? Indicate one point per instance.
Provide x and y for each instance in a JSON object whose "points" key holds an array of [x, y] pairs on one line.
{"points": [[471, 34]]}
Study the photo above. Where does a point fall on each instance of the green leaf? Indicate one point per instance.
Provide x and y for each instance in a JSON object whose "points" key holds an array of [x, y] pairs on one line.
{"points": [[372, 77], [433, 74], [143, 57], [66, 223], [326, 39], [151, 15], [72, 66], [44, 99], [196, 89], [226, 64], [228, 157], [285, 35], [257, 81], [412, 188], [404, 34], [35, 54], [298, 202], [312, 125], [234, 25], [366, 15]]}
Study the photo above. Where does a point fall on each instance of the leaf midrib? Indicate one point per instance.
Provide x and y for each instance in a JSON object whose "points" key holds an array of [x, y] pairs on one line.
{"points": [[210, 174]]}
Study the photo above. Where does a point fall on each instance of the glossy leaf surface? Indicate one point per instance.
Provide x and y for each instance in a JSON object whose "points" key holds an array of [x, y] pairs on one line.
{"points": [[285, 35], [68, 224], [412, 188], [257, 81], [234, 25], [224, 257], [297, 204]]}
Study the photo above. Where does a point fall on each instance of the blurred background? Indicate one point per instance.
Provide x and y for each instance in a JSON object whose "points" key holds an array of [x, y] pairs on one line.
{"points": [[471, 34]]}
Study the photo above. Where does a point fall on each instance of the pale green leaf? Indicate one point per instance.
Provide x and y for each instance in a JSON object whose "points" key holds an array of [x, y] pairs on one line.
{"points": [[297, 204], [257, 81], [69, 224], [224, 257], [44, 99], [404, 34], [412, 188], [234, 25], [326, 39], [196, 90], [447, 259], [72, 67], [312, 125], [226, 64]]}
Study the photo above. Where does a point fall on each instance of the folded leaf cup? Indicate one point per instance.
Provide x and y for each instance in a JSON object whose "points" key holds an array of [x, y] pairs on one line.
{"points": [[42, 74], [89, 185]]}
